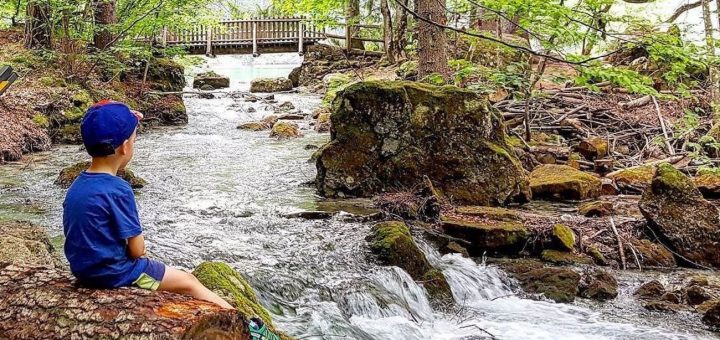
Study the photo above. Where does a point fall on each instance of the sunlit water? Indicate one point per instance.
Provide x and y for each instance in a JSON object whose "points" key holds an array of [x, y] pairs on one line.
{"points": [[216, 193]]}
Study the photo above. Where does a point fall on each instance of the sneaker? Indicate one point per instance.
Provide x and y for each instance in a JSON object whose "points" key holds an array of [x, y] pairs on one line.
{"points": [[258, 330]]}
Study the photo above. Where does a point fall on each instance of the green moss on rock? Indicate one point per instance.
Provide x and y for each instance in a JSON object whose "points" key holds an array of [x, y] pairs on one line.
{"points": [[563, 182], [491, 236], [68, 175], [596, 209], [633, 179], [493, 213], [564, 237], [564, 257], [284, 130]]}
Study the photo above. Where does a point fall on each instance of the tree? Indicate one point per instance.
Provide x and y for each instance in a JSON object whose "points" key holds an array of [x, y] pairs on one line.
{"points": [[432, 42], [105, 18], [352, 19], [38, 30], [387, 31]]}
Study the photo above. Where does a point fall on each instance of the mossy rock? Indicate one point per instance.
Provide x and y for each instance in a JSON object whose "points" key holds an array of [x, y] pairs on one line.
{"points": [[267, 85], [493, 213], [253, 126], [596, 209], [708, 183], [41, 120], [323, 124], [408, 70], [599, 285], [82, 101], [633, 180], [23, 243], [557, 284], [596, 255], [506, 237], [564, 257], [650, 290], [285, 130], [211, 79], [68, 175], [679, 215], [564, 237], [563, 182], [67, 134], [231, 286], [592, 148], [651, 254]]}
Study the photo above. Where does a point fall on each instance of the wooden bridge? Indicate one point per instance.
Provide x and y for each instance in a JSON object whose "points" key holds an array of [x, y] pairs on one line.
{"points": [[254, 36]]}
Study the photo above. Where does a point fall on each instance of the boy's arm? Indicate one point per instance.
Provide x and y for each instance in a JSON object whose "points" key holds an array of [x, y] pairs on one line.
{"points": [[136, 246]]}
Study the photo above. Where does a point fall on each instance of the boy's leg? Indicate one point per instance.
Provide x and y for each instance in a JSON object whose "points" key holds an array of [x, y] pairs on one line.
{"points": [[178, 281]]}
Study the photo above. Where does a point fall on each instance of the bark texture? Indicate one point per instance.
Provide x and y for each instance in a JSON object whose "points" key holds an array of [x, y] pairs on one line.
{"points": [[387, 31], [105, 17], [38, 33], [432, 42], [43, 303], [352, 13]]}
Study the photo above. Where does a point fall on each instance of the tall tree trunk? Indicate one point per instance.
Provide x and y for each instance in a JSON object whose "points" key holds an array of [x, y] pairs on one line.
{"points": [[432, 42], [401, 22], [714, 81], [387, 31], [13, 19], [104, 19], [38, 30], [352, 17]]}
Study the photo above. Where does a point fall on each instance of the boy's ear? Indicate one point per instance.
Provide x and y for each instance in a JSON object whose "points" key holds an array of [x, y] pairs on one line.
{"points": [[124, 147]]}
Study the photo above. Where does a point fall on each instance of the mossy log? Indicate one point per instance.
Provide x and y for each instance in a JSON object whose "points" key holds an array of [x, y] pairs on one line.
{"points": [[43, 303]]}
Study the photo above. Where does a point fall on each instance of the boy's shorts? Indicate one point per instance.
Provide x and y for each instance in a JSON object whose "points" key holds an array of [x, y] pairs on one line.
{"points": [[152, 276]]}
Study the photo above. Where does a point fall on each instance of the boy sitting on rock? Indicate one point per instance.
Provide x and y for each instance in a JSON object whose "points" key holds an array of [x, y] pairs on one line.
{"points": [[103, 237]]}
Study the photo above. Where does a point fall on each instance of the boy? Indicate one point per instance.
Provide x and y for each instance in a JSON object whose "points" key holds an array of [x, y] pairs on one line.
{"points": [[103, 237]]}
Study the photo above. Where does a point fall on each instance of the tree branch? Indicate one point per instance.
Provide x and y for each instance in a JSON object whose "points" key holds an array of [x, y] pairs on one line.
{"points": [[682, 9]]}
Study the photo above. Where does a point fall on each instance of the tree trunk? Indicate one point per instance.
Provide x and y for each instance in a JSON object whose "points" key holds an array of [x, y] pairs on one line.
{"points": [[104, 19], [42, 303], [352, 18], [714, 85], [401, 22], [13, 19], [387, 31], [38, 32], [432, 42]]}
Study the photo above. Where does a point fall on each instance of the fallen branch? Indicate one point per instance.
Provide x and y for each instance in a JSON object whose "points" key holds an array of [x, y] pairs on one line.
{"points": [[619, 242]]}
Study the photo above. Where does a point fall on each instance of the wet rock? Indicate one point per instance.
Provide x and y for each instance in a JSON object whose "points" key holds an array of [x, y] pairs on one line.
{"points": [[563, 237], [291, 116], [677, 212], [207, 87], [564, 257], [454, 247], [592, 148], [490, 236], [557, 284], [712, 316], [311, 147], [709, 184], [563, 182], [286, 106], [650, 290], [251, 109], [599, 285], [596, 255], [393, 244], [253, 126], [596, 209], [311, 215], [22, 243], [493, 213], [322, 124], [651, 254], [671, 297], [234, 288], [211, 78], [695, 295], [294, 76], [206, 95], [284, 130], [390, 134], [663, 306], [267, 85], [633, 180], [68, 175]]}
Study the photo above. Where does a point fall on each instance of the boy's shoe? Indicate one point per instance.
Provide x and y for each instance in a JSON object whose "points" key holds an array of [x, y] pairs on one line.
{"points": [[258, 330]]}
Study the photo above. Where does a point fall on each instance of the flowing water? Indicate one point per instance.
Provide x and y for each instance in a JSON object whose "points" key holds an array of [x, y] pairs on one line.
{"points": [[219, 194]]}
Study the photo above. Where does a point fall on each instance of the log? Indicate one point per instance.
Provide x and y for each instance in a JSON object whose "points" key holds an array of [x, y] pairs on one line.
{"points": [[45, 303]]}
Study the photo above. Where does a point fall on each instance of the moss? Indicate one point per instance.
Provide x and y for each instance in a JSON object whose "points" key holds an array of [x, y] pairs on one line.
{"points": [[74, 114], [437, 287], [564, 237], [557, 284], [41, 120], [226, 282], [493, 213], [595, 208], [639, 176], [82, 100], [51, 81], [408, 70], [494, 236], [708, 183], [596, 255], [68, 175], [563, 182], [562, 257], [282, 130]]}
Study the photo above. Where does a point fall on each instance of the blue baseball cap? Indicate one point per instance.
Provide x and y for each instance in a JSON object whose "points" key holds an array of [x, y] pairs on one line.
{"points": [[106, 126]]}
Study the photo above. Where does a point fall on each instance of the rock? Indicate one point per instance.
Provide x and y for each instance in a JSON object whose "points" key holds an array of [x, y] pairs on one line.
{"points": [[663, 306], [596, 209], [650, 290], [695, 295], [286, 106], [284, 130], [294, 76], [633, 180], [677, 213], [390, 134], [291, 116], [68, 175], [22, 243], [608, 187], [563, 182], [564, 258], [490, 236], [251, 110], [393, 244], [164, 74], [267, 85], [454, 247], [709, 184], [599, 285], [163, 110], [712, 316], [592, 148], [596, 255], [207, 87], [408, 70], [211, 78], [557, 284], [323, 122], [231, 286], [206, 95], [311, 147], [563, 237], [253, 126], [651, 254], [493, 213], [311, 215]]}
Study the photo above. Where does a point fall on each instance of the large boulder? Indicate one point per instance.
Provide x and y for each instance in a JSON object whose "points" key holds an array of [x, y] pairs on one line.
{"points": [[212, 79], [26, 244], [68, 175], [387, 135], [494, 236], [267, 85], [563, 182], [679, 215], [393, 244], [557, 284]]}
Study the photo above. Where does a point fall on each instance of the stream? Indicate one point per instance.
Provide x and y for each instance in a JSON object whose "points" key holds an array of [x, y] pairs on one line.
{"points": [[217, 193]]}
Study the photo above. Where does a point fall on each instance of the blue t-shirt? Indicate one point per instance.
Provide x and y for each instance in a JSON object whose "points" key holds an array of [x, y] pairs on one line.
{"points": [[99, 215]]}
